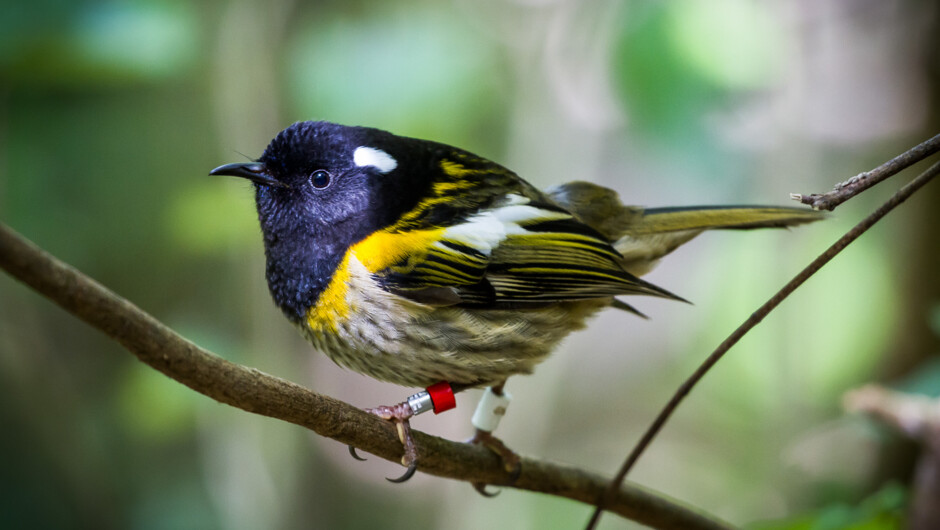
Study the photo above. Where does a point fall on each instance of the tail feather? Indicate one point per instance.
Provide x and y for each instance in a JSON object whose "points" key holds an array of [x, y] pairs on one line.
{"points": [[643, 236], [658, 220]]}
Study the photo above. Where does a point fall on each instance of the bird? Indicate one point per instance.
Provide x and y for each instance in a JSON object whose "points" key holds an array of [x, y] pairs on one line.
{"points": [[428, 266]]}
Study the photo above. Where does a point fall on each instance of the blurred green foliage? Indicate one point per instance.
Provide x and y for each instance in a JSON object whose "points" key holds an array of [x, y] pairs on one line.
{"points": [[94, 45], [882, 511], [416, 70], [111, 114]]}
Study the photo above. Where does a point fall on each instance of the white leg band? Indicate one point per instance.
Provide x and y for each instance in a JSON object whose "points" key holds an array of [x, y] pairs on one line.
{"points": [[490, 410]]}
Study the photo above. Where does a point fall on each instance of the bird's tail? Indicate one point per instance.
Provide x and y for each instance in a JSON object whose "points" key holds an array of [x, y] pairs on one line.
{"points": [[643, 236]]}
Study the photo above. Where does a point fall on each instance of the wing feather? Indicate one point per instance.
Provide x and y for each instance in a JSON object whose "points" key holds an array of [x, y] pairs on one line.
{"points": [[512, 246]]}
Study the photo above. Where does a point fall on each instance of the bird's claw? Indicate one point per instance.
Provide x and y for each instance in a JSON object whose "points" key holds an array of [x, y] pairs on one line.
{"points": [[511, 461], [481, 489], [408, 474], [399, 414], [354, 454]]}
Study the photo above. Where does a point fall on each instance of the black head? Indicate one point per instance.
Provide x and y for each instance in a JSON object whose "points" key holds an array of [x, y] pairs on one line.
{"points": [[324, 173], [321, 187]]}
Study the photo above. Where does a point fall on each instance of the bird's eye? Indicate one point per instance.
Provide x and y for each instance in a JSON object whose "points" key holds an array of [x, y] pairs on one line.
{"points": [[320, 179]]}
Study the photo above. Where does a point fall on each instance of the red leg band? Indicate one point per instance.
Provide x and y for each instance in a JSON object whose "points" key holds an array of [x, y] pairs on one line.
{"points": [[442, 396]]}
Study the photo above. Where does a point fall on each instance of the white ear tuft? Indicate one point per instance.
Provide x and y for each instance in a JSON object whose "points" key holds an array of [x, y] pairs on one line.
{"points": [[377, 158]]}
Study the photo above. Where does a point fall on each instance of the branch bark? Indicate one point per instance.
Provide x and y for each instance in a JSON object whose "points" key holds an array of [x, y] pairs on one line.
{"points": [[844, 191], [249, 389]]}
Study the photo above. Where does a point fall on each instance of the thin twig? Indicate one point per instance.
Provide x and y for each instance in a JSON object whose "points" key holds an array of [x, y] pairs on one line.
{"points": [[254, 391], [861, 182], [755, 319]]}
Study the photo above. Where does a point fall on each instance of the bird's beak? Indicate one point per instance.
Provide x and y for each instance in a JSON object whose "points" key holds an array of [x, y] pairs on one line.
{"points": [[253, 171]]}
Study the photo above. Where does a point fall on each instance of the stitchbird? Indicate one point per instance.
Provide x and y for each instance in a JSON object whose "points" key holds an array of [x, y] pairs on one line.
{"points": [[415, 262]]}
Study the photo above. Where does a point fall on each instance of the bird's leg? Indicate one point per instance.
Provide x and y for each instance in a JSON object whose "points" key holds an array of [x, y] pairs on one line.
{"points": [[490, 410], [437, 397]]}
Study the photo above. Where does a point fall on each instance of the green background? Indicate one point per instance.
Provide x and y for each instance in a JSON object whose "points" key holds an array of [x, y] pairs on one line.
{"points": [[112, 113]]}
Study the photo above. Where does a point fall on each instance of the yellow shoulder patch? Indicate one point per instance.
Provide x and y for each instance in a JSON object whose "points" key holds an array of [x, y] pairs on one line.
{"points": [[386, 248]]}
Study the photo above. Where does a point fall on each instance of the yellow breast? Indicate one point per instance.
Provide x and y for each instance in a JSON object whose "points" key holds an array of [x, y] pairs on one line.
{"points": [[377, 252]]}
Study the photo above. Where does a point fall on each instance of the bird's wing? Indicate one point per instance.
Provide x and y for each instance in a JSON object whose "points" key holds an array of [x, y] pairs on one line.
{"points": [[507, 249], [549, 256]]}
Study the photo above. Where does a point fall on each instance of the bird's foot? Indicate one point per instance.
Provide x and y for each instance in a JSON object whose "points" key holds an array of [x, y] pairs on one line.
{"points": [[490, 410], [437, 397], [399, 415], [511, 461]]}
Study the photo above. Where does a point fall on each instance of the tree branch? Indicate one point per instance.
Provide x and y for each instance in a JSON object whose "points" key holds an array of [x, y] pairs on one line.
{"points": [[755, 319], [254, 391], [844, 191]]}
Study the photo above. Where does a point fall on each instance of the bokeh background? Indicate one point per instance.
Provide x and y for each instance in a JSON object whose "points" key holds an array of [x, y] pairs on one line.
{"points": [[112, 113]]}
